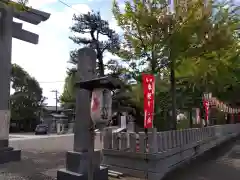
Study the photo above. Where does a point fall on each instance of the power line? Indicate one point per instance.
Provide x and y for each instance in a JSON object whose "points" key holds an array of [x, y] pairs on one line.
{"points": [[69, 6]]}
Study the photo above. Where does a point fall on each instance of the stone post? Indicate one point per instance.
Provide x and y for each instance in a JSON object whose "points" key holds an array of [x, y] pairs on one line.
{"points": [[6, 17], [78, 161], [131, 124]]}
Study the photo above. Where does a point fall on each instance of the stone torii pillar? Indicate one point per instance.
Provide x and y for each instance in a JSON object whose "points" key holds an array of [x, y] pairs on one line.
{"points": [[9, 30]]}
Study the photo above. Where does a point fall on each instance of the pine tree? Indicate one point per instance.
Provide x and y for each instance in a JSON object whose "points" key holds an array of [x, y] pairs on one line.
{"points": [[95, 33]]}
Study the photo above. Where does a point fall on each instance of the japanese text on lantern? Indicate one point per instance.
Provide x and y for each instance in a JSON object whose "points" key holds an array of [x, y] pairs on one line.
{"points": [[148, 90]]}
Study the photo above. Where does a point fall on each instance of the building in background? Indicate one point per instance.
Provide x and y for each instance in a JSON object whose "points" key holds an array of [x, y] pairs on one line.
{"points": [[54, 117]]}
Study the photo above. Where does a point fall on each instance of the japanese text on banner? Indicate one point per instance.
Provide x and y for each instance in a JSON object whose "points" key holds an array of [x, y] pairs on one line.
{"points": [[149, 91]]}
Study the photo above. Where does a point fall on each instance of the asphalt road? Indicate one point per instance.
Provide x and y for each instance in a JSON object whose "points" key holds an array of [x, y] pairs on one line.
{"points": [[41, 158]]}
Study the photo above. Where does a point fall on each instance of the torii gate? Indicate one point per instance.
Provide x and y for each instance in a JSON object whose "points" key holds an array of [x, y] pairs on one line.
{"points": [[8, 30]]}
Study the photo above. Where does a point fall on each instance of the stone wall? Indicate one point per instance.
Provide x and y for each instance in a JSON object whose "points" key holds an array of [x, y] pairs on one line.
{"points": [[132, 154]]}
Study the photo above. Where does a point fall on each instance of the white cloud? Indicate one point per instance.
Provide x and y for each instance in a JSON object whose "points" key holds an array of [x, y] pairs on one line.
{"points": [[114, 26], [39, 3], [47, 61]]}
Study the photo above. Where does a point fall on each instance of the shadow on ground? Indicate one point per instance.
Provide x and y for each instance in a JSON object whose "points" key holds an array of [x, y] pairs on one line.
{"points": [[219, 164]]}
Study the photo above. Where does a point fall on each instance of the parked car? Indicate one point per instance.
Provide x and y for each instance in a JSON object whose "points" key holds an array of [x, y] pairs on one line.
{"points": [[41, 129]]}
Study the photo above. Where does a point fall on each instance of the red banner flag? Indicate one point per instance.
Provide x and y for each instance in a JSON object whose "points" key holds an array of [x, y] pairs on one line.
{"points": [[206, 107], [148, 81]]}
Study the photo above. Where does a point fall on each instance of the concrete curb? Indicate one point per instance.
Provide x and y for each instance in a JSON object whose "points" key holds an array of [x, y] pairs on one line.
{"points": [[29, 137]]}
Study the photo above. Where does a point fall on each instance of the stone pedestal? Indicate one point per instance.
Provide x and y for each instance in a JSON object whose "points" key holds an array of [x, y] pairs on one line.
{"points": [[77, 164], [7, 154]]}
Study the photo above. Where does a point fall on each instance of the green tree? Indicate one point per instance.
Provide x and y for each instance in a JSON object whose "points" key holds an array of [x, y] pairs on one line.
{"points": [[27, 98], [155, 38], [68, 96], [92, 31]]}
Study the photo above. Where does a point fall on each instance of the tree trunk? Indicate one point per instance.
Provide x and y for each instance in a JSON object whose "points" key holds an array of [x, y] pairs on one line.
{"points": [[190, 118], [101, 65], [173, 93]]}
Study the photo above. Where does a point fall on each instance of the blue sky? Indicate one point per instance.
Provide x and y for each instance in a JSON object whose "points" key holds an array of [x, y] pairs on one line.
{"points": [[47, 61]]}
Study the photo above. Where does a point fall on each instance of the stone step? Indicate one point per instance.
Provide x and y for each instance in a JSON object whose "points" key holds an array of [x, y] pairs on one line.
{"points": [[100, 174], [4, 149], [9, 154]]}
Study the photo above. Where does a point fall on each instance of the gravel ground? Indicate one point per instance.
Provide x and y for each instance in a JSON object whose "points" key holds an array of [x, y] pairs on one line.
{"points": [[35, 165], [43, 157]]}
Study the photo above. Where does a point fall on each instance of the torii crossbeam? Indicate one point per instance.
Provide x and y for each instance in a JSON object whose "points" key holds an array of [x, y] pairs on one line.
{"points": [[8, 30]]}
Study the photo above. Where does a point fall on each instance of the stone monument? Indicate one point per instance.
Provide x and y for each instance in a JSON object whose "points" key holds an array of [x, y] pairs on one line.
{"points": [[8, 30], [84, 162]]}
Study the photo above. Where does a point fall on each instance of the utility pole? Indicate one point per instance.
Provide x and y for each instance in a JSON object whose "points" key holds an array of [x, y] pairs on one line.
{"points": [[56, 97]]}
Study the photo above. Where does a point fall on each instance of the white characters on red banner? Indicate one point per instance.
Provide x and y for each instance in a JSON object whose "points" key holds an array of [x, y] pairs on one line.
{"points": [[148, 88]]}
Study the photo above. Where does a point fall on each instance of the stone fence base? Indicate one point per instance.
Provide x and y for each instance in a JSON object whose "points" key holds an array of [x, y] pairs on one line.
{"points": [[154, 166]]}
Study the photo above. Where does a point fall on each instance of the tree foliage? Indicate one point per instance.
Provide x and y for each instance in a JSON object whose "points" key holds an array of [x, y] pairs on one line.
{"points": [[27, 98], [193, 49], [197, 46], [92, 31], [68, 96], [20, 5]]}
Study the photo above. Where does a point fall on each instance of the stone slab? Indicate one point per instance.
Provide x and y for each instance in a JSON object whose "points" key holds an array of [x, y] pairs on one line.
{"points": [[4, 143], [8, 154], [137, 173], [78, 162], [100, 174]]}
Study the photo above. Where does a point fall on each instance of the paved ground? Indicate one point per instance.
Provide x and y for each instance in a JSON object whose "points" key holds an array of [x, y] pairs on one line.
{"points": [[43, 156], [224, 164]]}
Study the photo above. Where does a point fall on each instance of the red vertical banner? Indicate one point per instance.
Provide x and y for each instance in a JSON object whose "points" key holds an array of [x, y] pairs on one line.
{"points": [[206, 107], [148, 81]]}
